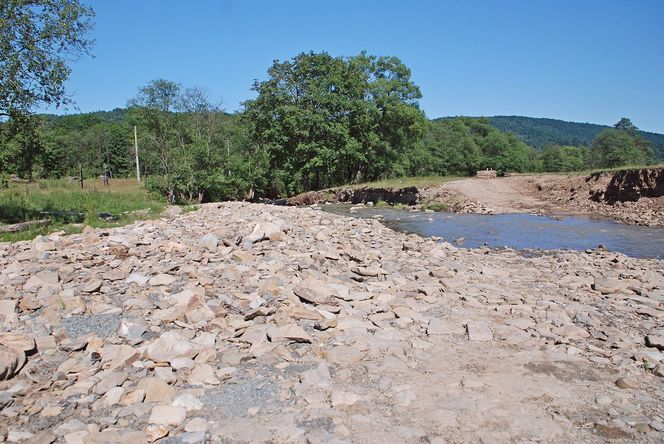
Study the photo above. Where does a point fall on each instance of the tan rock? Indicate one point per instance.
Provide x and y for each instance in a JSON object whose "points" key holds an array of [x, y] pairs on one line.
{"points": [[161, 280], [197, 311], [133, 397], [479, 331], [290, 332], [171, 345], [156, 390], [317, 292], [203, 374], [156, 431], [167, 415], [627, 383], [196, 425], [188, 401]]}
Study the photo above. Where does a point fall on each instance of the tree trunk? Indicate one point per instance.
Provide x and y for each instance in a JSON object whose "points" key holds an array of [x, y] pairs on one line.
{"points": [[25, 226]]}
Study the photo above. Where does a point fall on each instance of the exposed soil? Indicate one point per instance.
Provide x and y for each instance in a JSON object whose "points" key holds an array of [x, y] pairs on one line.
{"points": [[629, 196]]}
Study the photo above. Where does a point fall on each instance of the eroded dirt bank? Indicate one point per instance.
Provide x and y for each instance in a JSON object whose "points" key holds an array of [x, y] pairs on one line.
{"points": [[630, 196], [255, 323]]}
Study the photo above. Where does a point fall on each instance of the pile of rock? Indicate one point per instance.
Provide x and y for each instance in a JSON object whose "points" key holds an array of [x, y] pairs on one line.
{"points": [[253, 323], [486, 174]]}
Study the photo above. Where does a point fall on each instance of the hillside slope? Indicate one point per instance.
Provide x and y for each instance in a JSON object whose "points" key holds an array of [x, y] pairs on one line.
{"points": [[539, 133]]}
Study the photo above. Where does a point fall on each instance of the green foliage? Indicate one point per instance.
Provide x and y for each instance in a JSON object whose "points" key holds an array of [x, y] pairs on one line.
{"points": [[85, 139], [557, 159], [324, 121], [63, 202], [541, 133], [191, 150], [615, 147], [37, 40], [435, 206], [463, 145]]}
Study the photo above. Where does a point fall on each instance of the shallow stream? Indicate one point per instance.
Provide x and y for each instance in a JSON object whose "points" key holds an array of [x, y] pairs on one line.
{"points": [[520, 231]]}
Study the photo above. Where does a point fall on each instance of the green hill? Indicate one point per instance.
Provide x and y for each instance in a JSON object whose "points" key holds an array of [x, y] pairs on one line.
{"points": [[540, 133]]}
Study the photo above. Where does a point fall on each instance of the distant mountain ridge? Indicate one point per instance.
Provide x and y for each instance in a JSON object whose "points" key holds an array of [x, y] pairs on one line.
{"points": [[540, 132]]}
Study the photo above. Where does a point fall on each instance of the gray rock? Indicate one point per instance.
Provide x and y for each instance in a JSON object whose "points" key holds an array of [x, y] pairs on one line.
{"points": [[209, 242], [479, 331]]}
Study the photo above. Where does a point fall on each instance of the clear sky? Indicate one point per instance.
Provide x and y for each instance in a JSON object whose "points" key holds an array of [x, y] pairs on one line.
{"points": [[578, 60]]}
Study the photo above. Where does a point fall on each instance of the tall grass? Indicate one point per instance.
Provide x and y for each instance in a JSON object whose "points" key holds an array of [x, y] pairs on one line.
{"points": [[65, 203]]}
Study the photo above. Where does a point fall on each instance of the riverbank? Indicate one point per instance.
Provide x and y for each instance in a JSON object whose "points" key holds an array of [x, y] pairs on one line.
{"points": [[261, 323], [633, 197]]}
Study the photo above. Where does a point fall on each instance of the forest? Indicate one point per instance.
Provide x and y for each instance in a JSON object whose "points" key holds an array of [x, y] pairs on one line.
{"points": [[541, 133]]}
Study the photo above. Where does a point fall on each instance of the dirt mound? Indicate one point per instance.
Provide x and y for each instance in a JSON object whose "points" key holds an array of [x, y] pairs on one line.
{"points": [[630, 185], [633, 196]]}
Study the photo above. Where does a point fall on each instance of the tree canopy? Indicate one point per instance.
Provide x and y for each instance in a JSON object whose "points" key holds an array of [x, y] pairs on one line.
{"points": [[191, 149], [37, 40], [621, 145], [463, 145], [325, 120]]}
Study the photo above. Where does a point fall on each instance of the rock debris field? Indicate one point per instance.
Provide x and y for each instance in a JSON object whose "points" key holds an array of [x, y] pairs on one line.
{"points": [[252, 323]]}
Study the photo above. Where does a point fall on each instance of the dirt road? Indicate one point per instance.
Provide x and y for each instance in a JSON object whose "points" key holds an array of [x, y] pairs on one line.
{"points": [[505, 195]]}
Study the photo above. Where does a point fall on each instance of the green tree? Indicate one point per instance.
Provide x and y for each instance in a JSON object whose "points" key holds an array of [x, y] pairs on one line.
{"points": [[155, 106], [462, 145], [624, 124], [324, 120], [621, 146], [191, 149], [564, 158], [37, 40], [21, 145]]}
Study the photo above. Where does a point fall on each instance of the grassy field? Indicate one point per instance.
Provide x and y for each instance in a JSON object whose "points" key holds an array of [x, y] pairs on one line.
{"points": [[69, 206]]}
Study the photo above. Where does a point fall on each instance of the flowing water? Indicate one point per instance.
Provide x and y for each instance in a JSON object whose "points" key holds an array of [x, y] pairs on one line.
{"points": [[520, 231]]}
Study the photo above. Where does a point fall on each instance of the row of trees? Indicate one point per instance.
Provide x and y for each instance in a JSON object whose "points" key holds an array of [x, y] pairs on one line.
{"points": [[317, 121], [193, 151]]}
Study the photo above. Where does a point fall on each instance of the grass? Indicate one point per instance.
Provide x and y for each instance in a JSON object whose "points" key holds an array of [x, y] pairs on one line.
{"points": [[401, 182], [383, 204], [588, 172], [434, 206], [68, 206]]}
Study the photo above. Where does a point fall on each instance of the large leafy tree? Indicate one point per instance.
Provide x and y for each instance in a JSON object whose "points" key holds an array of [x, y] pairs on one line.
{"points": [[325, 120], [564, 158], [620, 146], [38, 38]]}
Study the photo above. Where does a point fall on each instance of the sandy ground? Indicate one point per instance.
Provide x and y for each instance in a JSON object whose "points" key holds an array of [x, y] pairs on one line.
{"points": [[509, 194]]}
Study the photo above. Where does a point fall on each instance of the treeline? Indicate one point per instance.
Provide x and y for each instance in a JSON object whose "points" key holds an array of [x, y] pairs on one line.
{"points": [[541, 133], [318, 121]]}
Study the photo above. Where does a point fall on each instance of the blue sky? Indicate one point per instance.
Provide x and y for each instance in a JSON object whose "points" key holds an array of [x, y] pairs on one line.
{"points": [[578, 60]]}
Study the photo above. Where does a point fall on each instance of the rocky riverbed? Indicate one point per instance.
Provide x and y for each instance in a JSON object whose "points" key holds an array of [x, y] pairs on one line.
{"points": [[253, 323]]}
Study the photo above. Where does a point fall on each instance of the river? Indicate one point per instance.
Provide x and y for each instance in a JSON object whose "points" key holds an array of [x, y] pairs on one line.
{"points": [[519, 231]]}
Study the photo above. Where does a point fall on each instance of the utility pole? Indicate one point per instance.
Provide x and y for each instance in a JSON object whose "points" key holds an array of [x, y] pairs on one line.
{"points": [[138, 167]]}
